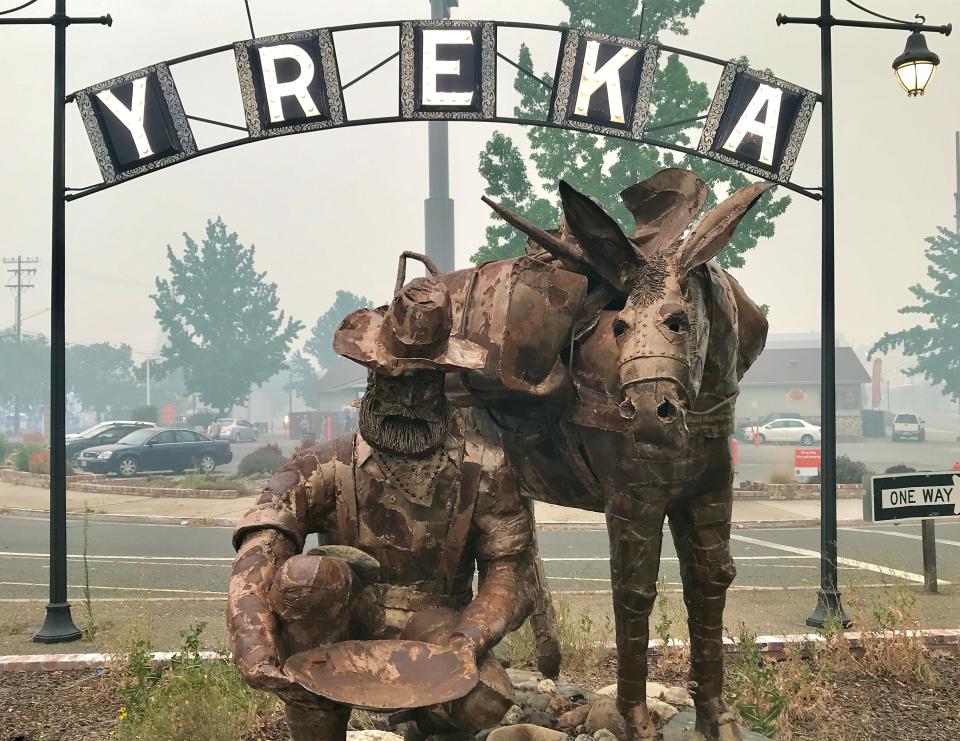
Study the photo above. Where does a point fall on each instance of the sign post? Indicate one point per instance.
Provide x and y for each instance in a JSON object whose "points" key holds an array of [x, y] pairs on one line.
{"points": [[912, 496]]}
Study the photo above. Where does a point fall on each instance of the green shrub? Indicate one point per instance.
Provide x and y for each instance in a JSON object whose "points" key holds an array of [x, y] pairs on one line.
{"points": [[145, 414], [900, 468], [265, 459], [193, 700], [21, 459], [4, 450], [201, 419], [849, 471]]}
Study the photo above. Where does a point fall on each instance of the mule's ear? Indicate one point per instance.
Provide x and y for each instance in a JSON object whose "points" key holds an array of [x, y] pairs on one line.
{"points": [[663, 206], [605, 247], [712, 233]]}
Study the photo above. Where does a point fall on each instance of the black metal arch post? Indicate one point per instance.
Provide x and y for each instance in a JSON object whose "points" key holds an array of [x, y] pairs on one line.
{"points": [[829, 607], [58, 626]]}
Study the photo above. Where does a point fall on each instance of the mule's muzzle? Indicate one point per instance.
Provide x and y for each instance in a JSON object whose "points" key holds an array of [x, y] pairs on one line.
{"points": [[655, 413]]}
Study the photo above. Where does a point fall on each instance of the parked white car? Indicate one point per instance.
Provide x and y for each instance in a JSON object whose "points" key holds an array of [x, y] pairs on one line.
{"points": [[784, 431], [238, 430], [909, 425]]}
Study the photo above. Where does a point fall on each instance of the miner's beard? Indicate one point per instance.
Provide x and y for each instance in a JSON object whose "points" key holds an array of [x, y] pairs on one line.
{"points": [[401, 430]]}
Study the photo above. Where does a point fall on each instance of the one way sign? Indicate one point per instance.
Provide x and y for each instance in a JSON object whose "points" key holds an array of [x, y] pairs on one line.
{"points": [[912, 496]]}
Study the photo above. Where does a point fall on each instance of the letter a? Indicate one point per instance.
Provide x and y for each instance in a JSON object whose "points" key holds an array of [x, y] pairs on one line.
{"points": [[298, 88], [592, 79], [132, 117], [766, 129]]}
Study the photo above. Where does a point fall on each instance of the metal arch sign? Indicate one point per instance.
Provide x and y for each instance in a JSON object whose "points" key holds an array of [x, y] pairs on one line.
{"points": [[290, 83]]}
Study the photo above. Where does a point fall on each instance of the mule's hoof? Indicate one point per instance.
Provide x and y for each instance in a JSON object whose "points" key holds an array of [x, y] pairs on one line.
{"points": [[640, 726], [720, 727]]}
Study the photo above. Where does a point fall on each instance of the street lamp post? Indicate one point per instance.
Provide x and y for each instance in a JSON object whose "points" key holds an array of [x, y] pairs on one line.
{"points": [[58, 626], [438, 210], [829, 607]]}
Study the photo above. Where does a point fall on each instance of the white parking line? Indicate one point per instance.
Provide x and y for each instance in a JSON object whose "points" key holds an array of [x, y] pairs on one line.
{"points": [[674, 559], [79, 557], [864, 565], [898, 535]]}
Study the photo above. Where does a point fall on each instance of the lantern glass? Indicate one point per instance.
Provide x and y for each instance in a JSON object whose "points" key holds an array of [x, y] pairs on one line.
{"points": [[915, 76]]}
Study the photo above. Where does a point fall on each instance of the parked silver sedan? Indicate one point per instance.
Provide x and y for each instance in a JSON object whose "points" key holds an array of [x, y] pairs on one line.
{"points": [[237, 430]]}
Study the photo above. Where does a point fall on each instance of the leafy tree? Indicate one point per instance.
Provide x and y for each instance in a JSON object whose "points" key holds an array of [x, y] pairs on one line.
{"points": [[602, 167], [320, 343], [222, 319], [24, 371], [936, 346], [304, 380], [101, 376], [145, 414]]}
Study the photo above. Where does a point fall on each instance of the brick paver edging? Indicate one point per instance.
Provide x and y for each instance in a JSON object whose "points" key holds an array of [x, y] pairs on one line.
{"points": [[91, 483], [938, 640]]}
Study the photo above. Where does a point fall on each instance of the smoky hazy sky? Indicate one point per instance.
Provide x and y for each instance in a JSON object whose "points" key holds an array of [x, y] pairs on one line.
{"points": [[332, 210]]}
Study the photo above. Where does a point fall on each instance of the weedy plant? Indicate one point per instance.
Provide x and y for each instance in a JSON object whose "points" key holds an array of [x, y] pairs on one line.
{"points": [[192, 700], [673, 656], [89, 623]]}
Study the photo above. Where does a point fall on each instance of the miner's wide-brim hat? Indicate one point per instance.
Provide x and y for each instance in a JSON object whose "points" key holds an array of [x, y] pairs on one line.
{"points": [[413, 333]]}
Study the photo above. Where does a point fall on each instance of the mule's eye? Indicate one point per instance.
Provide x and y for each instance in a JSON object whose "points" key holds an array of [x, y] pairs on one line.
{"points": [[620, 327], [677, 322]]}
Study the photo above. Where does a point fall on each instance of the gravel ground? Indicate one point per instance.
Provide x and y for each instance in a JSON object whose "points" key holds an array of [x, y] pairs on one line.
{"points": [[82, 706]]}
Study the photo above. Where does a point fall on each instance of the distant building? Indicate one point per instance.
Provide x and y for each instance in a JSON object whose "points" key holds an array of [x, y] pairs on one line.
{"points": [[336, 414], [785, 381]]}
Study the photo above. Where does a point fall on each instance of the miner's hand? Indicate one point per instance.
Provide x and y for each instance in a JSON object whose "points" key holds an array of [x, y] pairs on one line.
{"points": [[270, 678]]}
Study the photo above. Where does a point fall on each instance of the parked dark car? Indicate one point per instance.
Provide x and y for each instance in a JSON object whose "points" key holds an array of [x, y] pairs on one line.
{"points": [[157, 450], [104, 433]]}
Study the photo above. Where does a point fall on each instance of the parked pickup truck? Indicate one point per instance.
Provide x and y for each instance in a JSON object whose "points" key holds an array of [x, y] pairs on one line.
{"points": [[909, 425]]}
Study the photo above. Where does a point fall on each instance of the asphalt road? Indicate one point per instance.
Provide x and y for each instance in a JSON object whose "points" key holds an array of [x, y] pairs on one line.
{"points": [[154, 561]]}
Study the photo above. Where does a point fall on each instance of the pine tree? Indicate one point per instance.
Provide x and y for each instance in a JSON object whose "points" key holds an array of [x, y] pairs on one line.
{"points": [[935, 346], [602, 167], [222, 319]]}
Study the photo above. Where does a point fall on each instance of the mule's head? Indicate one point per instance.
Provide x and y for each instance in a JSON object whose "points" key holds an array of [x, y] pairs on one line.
{"points": [[662, 325]]}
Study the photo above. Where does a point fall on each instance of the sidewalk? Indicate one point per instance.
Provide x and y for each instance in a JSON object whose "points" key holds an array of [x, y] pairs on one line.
{"points": [[27, 499]]}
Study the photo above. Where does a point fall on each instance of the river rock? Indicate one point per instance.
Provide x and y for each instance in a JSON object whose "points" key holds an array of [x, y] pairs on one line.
{"points": [[573, 718], [676, 696], [609, 691], [522, 679], [526, 733], [604, 715], [604, 735], [513, 715], [682, 727], [372, 736], [660, 711]]}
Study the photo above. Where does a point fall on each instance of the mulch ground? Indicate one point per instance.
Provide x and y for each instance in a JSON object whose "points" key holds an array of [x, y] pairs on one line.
{"points": [[83, 706]]}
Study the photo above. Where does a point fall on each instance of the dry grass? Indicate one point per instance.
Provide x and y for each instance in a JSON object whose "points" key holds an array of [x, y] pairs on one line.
{"points": [[584, 643], [772, 697], [782, 476]]}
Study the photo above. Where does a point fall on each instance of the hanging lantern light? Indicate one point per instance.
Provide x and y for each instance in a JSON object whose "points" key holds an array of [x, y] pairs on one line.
{"points": [[915, 67]]}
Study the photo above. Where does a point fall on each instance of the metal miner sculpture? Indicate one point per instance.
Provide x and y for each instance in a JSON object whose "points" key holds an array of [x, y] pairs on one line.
{"points": [[612, 369], [413, 502]]}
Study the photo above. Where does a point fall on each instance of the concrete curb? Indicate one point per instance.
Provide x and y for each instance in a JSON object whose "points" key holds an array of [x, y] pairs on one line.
{"points": [[941, 641]]}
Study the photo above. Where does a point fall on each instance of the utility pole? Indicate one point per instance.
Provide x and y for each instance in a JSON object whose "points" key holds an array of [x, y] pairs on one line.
{"points": [[20, 274], [438, 209]]}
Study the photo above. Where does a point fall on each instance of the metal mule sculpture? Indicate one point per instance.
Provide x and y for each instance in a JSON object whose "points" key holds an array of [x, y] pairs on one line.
{"points": [[612, 371]]}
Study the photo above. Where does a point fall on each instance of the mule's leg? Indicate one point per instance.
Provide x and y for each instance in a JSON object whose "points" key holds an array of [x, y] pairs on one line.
{"points": [[635, 528], [543, 621], [701, 534]]}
